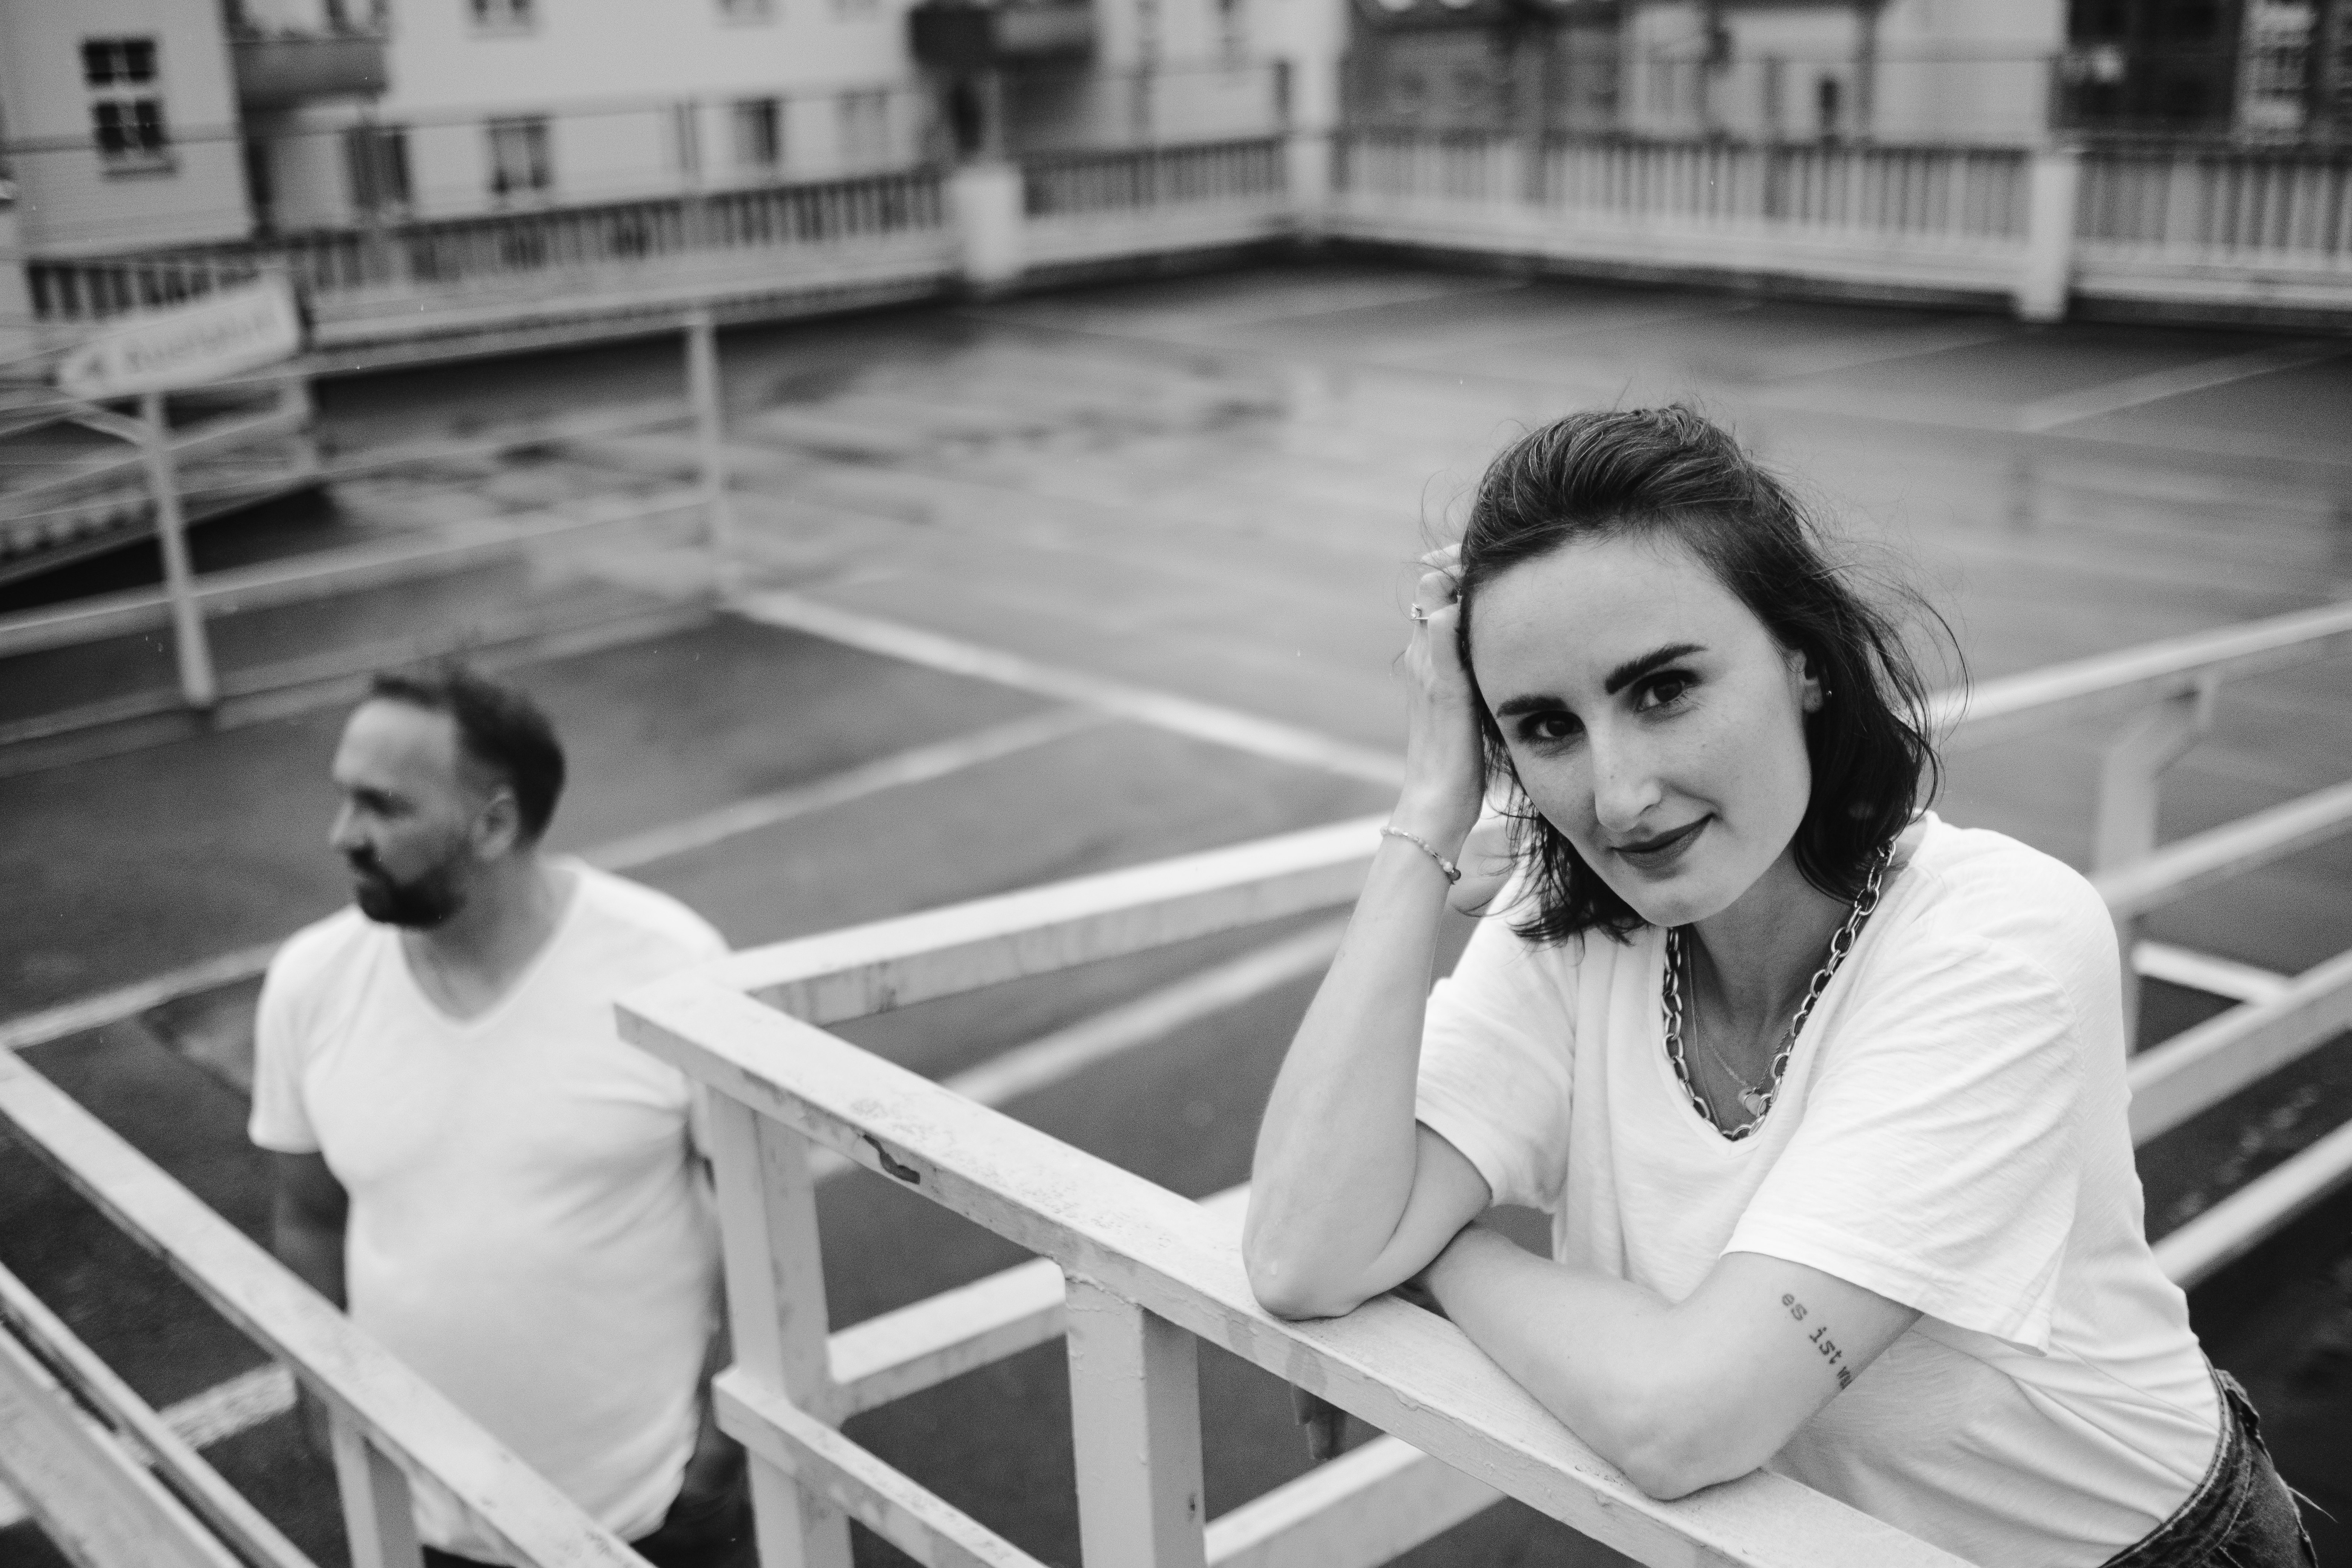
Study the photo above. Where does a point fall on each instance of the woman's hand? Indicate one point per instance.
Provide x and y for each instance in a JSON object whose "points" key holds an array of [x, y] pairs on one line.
{"points": [[1445, 771]]}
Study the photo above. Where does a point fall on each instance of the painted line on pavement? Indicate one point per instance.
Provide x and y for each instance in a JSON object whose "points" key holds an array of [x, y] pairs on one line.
{"points": [[1138, 704], [1151, 1017], [2134, 391], [916, 766], [919, 766], [221, 1411]]}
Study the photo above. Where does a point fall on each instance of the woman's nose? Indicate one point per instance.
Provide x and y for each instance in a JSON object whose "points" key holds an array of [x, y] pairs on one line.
{"points": [[1624, 782]]}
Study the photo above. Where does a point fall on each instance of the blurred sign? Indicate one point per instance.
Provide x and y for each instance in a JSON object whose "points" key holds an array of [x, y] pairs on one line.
{"points": [[237, 328]]}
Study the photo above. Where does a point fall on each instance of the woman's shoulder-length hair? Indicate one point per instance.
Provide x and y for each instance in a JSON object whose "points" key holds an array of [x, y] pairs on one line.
{"points": [[1671, 473]]}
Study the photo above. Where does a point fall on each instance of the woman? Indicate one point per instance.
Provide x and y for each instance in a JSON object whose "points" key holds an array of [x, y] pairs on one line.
{"points": [[1826, 1096]]}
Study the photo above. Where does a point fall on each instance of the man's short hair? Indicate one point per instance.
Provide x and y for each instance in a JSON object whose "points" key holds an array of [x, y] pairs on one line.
{"points": [[498, 728]]}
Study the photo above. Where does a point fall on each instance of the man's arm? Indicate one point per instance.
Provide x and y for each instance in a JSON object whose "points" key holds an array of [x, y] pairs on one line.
{"points": [[307, 1213], [713, 1467]]}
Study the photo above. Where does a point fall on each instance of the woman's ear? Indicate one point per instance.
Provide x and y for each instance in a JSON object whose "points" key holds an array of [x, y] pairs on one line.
{"points": [[1811, 692]]}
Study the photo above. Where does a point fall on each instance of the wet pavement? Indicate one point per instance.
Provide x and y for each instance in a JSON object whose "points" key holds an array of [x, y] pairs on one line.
{"points": [[1210, 488]]}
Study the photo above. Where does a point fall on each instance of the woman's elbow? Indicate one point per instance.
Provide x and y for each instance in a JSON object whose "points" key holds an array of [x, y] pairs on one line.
{"points": [[1671, 1448], [1287, 1290]]}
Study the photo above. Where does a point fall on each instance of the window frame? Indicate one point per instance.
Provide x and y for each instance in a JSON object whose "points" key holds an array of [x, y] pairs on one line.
{"points": [[534, 132], [122, 77]]}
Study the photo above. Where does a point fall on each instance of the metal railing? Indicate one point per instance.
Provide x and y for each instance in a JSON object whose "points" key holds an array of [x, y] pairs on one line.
{"points": [[1131, 1274], [2224, 202], [107, 1478], [1956, 190], [1128, 180], [448, 550], [497, 250]]}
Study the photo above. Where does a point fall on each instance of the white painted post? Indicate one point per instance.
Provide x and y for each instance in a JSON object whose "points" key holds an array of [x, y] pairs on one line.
{"points": [[294, 399], [2124, 831], [197, 683], [710, 445], [1135, 1424], [775, 1307], [987, 202], [19, 338], [1311, 36], [378, 1519], [2053, 194]]}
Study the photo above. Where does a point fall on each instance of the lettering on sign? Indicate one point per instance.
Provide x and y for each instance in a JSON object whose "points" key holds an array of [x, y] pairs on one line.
{"points": [[235, 329]]}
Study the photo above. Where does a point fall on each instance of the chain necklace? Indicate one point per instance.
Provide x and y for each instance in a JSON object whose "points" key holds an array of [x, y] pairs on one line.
{"points": [[1757, 1101]]}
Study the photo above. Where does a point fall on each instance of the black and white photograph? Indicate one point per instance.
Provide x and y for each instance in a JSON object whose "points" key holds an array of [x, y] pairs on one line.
{"points": [[1175, 784]]}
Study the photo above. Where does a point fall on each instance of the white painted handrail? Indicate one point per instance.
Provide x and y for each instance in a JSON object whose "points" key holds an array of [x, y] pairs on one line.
{"points": [[1125, 1239], [391, 1423], [745, 1028], [2109, 685]]}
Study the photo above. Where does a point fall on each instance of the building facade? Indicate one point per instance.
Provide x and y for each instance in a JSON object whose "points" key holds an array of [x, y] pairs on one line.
{"points": [[121, 124], [1936, 70]]}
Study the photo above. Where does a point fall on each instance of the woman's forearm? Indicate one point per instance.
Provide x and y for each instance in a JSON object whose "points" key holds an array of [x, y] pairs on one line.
{"points": [[1337, 1152], [1597, 1352]]}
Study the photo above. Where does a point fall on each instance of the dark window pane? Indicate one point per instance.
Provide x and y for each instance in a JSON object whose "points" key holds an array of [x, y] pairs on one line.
{"points": [[147, 119], [139, 59], [97, 61], [112, 136]]}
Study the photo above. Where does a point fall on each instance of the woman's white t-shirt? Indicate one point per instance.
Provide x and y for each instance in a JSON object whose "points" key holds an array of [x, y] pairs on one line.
{"points": [[1950, 1133]]}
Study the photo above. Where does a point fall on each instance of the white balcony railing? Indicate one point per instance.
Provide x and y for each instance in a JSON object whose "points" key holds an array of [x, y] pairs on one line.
{"points": [[1133, 1275]]}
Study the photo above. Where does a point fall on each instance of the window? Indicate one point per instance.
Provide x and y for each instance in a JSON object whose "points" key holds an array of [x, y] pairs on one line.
{"points": [[759, 133], [518, 157], [685, 137], [375, 157], [505, 15], [865, 127], [126, 107]]}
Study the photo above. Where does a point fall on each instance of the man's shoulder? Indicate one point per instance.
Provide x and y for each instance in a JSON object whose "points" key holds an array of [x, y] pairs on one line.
{"points": [[325, 948], [616, 906]]}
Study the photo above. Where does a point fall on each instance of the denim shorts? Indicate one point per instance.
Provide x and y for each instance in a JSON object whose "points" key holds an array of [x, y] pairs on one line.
{"points": [[2242, 1515]]}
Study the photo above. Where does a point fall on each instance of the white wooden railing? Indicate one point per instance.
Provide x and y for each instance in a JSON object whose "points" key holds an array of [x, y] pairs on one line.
{"points": [[1948, 218], [109, 1481], [2195, 225], [1131, 1274], [853, 236], [2223, 230]]}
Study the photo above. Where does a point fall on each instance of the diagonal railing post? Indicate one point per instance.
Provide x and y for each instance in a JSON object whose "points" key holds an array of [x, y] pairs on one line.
{"points": [[2125, 829], [1135, 1423], [776, 1312], [378, 1519]]}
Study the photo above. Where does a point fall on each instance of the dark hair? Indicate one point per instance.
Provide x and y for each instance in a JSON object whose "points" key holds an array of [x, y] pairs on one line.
{"points": [[499, 729], [1671, 473]]}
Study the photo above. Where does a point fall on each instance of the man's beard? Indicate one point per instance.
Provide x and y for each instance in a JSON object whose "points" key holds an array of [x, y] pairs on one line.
{"points": [[421, 903]]}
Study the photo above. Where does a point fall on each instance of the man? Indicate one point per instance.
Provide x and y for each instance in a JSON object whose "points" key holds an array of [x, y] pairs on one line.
{"points": [[508, 1195]]}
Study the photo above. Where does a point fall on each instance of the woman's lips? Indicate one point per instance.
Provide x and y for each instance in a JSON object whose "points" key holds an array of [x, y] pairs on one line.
{"points": [[1654, 855]]}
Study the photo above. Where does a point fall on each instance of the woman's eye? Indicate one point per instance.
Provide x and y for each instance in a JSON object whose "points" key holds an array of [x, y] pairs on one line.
{"points": [[1665, 691], [1552, 726]]}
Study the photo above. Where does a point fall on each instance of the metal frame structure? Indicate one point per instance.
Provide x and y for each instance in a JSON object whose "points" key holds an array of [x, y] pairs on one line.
{"points": [[188, 599], [1131, 1275]]}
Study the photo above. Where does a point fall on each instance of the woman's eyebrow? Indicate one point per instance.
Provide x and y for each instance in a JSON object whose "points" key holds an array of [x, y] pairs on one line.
{"points": [[1633, 670]]}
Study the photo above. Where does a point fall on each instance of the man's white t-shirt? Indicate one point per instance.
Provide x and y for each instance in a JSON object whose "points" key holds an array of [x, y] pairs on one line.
{"points": [[530, 1229], [1950, 1133]]}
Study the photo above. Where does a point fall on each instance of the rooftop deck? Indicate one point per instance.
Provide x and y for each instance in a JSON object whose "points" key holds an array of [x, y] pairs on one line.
{"points": [[1075, 582]]}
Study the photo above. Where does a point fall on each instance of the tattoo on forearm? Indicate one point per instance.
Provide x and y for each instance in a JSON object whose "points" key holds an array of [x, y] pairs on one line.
{"points": [[1820, 1341]]}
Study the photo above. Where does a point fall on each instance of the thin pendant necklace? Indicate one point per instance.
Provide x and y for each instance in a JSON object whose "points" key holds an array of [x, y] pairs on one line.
{"points": [[1754, 1100]]}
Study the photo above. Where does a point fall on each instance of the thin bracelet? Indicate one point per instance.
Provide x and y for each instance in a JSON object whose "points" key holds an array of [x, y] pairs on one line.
{"points": [[1453, 872]]}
